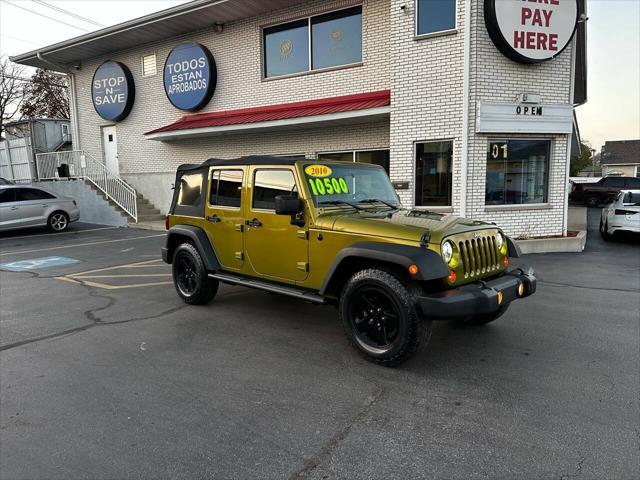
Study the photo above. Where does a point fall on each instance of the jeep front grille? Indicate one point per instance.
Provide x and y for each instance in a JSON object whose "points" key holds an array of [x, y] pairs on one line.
{"points": [[479, 256]]}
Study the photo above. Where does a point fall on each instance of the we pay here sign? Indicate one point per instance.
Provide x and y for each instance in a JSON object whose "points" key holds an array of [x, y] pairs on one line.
{"points": [[531, 31]]}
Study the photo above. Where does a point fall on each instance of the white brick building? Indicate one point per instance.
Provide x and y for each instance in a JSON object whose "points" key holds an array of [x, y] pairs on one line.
{"points": [[434, 61]]}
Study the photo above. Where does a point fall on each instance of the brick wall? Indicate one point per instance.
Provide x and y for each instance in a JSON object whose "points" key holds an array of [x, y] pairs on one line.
{"points": [[426, 94], [238, 58], [496, 78]]}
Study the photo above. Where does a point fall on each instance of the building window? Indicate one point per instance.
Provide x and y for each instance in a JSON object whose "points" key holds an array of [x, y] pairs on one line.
{"points": [[65, 132], [435, 16], [149, 65], [336, 38], [517, 171], [433, 173], [314, 43], [226, 188], [376, 157], [268, 184]]}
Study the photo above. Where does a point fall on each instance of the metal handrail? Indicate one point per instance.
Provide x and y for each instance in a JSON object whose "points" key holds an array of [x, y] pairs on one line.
{"points": [[83, 165]]}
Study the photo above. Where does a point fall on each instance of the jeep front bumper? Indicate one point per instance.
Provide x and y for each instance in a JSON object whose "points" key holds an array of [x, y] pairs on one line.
{"points": [[478, 298]]}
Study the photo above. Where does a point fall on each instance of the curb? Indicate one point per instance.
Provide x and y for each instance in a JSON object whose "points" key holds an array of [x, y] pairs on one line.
{"points": [[554, 245], [156, 226]]}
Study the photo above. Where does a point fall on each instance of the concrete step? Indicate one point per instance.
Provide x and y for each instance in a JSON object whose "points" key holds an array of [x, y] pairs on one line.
{"points": [[150, 218], [148, 210]]}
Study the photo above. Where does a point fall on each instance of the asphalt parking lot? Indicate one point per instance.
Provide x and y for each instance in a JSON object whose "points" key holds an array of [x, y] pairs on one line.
{"points": [[105, 373]]}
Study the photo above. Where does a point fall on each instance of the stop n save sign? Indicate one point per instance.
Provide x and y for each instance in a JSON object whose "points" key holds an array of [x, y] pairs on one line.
{"points": [[531, 31]]}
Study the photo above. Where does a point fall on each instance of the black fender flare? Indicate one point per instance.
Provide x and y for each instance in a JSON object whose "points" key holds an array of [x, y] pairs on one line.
{"points": [[513, 249], [198, 238], [430, 264]]}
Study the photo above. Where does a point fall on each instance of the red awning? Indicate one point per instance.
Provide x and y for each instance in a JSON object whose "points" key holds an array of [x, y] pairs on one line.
{"points": [[311, 108]]}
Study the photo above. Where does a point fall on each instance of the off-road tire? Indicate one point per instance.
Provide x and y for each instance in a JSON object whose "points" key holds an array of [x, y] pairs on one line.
{"points": [[479, 320], [200, 288], [415, 331], [58, 221], [592, 201]]}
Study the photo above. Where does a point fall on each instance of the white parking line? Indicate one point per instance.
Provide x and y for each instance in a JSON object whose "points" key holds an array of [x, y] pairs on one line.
{"points": [[82, 244], [73, 232]]}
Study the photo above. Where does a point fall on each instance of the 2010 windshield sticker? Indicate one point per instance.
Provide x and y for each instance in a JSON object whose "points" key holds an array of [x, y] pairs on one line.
{"points": [[318, 171], [328, 186]]}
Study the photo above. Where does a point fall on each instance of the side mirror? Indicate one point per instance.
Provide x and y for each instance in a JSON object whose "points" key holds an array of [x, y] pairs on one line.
{"points": [[290, 205]]}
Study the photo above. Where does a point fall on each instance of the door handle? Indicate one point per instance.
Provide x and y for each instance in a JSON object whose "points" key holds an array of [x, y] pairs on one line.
{"points": [[254, 223], [14, 208], [45, 205], [213, 219]]}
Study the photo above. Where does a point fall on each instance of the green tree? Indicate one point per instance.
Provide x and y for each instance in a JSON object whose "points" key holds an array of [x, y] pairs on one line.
{"points": [[582, 161]]}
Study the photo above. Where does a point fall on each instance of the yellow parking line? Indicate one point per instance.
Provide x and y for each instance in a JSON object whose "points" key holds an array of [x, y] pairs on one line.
{"points": [[122, 276], [83, 277], [121, 287], [116, 267]]}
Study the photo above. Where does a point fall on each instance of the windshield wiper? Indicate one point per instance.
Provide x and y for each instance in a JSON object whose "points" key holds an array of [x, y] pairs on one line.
{"points": [[339, 202], [377, 200]]}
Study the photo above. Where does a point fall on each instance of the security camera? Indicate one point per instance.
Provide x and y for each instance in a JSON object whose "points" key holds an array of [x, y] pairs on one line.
{"points": [[77, 66], [403, 7], [218, 27]]}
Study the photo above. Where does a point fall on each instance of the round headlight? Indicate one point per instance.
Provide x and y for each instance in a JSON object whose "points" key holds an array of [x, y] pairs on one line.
{"points": [[499, 240], [447, 252]]}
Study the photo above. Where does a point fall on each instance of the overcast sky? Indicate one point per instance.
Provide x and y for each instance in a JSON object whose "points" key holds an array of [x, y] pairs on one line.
{"points": [[611, 113]]}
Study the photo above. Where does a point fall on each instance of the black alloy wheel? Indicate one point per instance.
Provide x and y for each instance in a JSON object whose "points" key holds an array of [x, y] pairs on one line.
{"points": [[379, 313], [376, 318], [190, 276], [186, 276]]}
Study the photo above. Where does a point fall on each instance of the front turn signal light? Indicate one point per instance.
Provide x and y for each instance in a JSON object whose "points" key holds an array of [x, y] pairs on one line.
{"points": [[413, 269], [499, 298], [521, 289], [452, 277], [505, 262]]}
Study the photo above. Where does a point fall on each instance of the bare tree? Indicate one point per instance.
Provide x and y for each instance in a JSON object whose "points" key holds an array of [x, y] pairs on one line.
{"points": [[11, 95], [46, 96]]}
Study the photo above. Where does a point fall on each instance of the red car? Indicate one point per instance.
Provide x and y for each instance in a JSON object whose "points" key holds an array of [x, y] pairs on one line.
{"points": [[594, 194]]}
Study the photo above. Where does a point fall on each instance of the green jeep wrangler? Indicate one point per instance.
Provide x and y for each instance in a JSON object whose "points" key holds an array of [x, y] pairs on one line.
{"points": [[335, 232]]}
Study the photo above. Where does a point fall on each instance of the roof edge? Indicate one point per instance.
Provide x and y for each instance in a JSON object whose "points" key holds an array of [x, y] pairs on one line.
{"points": [[118, 28]]}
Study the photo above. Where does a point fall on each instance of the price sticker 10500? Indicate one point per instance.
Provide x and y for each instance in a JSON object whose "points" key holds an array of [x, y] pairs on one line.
{"points": [[328, 186]]}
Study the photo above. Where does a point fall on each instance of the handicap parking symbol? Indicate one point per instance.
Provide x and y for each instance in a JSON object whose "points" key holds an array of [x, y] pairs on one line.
{"points": [[37, 263]]}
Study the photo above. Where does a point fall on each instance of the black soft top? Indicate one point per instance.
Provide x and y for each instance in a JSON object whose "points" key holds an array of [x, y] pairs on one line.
{"points": [[249, 160]]}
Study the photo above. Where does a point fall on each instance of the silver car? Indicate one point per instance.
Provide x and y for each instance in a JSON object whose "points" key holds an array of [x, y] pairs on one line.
{"points": [[27, 206]]}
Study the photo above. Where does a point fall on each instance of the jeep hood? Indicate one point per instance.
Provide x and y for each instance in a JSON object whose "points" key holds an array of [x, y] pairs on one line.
{"points": [[402, 224]]}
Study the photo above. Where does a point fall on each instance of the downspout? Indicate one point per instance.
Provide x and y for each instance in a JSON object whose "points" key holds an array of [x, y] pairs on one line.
{"points": [[73, 112], [464, 157], [565, 220]]}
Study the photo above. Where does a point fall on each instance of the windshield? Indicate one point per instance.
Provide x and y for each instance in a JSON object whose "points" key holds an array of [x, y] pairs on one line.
{"points": [[335, 184]]}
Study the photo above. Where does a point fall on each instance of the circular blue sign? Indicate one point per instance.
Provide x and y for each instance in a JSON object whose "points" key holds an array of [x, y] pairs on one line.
{"points": [[112, 91], [190, 76]]}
